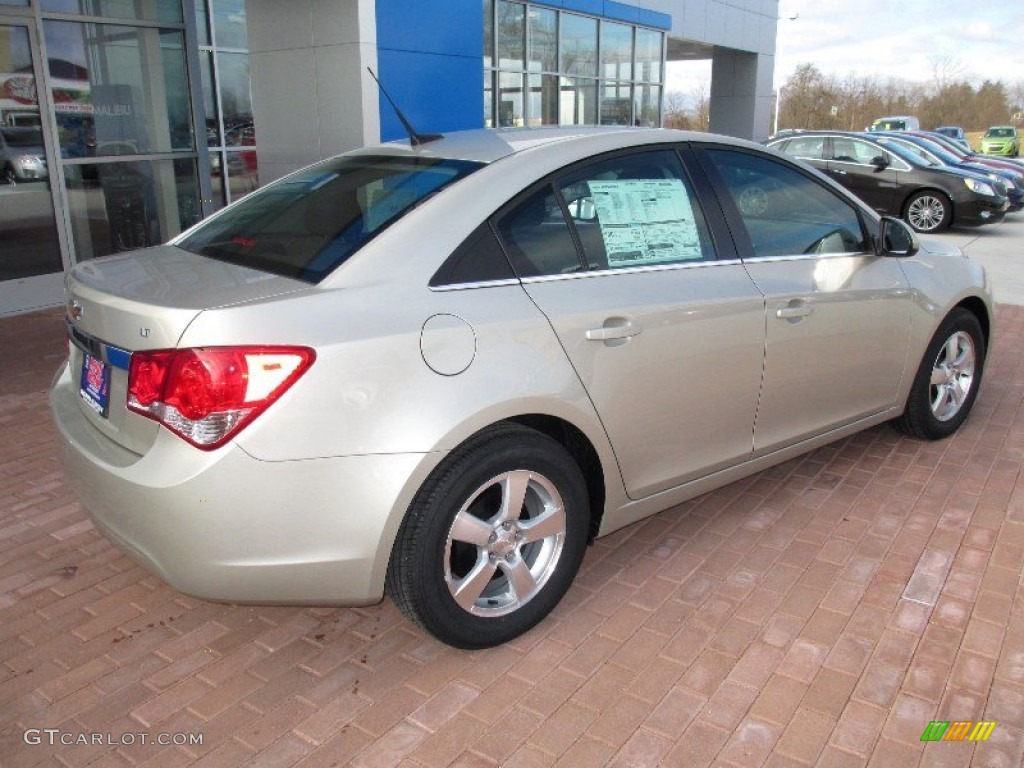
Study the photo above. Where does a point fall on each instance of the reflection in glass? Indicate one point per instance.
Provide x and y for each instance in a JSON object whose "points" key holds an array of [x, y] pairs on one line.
{"points": [[143, 10], [510, 99], [648, 55], [209, 99], [229, 25], [488, 99], [579, 45], [202, 21], [543, 106], [616, 104], [578, 100], [511, 23], [28, 233], [543, 40], [14, 2], [243, 174], [647, 106], [118, 90], [488, 33], [235, 99], [117, 206], [616, 51]]}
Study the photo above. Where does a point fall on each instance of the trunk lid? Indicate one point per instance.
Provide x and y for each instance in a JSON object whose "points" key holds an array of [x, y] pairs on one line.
{"points": [[139, 301]]}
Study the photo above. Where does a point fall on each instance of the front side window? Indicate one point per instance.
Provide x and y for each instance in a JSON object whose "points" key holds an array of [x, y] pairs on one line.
{"points": [[307, 224], [784, 212], [807, 147], [636, 211]]}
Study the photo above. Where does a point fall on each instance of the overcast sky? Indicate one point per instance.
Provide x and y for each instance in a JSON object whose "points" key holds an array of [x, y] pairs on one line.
{"points": [[982, 39]]}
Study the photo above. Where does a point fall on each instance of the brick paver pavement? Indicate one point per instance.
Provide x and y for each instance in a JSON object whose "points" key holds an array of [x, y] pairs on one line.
{"points": [[822, 612]]}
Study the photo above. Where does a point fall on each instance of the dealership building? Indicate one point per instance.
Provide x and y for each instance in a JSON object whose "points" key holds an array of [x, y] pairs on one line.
{"points": [[122, 122]]}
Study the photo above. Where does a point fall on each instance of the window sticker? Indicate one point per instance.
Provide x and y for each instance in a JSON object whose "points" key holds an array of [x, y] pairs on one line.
{"points": [[645, 221]]}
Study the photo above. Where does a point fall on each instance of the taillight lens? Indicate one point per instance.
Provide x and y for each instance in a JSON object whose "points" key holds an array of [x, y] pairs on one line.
{"points": [[208, 394]]}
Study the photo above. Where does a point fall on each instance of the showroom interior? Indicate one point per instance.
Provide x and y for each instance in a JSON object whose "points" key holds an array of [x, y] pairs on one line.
{"points": [[130, 120]]}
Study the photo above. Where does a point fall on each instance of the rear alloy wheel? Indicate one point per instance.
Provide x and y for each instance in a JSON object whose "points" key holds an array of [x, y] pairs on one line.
{"points": [[947, 382], [492, 540], [9, 176], [928, 211]]}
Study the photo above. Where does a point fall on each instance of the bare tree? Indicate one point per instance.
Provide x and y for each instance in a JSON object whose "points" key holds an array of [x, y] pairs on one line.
{"points": [[945, 70]]}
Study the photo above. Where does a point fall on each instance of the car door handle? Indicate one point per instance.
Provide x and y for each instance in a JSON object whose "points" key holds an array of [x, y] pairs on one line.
{"points": [[794, 311], [614, 328], [838, 173]]}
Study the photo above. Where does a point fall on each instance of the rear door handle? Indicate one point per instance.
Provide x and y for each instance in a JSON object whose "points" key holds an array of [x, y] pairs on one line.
{"points": [[838, 173], [614, 328], [794, 311]]}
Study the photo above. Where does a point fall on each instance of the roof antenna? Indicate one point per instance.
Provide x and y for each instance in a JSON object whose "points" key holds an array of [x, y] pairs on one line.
{"points": [[414, 138]]}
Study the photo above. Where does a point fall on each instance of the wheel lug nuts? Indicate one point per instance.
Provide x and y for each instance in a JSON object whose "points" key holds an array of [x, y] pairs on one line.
{"points": [[510, 557]]}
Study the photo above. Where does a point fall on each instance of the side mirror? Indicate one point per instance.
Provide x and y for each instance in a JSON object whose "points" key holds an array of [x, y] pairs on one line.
{"points": [[895, 238], [881, 162]]}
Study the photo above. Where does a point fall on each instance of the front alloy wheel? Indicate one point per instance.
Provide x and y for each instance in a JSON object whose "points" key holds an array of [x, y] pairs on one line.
{"points": [[947, 380], [928, 212], [493, 538], [952, 376]]}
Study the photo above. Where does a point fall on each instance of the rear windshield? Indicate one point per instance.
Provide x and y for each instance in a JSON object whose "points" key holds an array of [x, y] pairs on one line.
{"points": [[307, 224]]}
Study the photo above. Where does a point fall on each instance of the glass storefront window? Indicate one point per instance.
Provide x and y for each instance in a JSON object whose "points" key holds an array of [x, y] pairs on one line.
{"points": [[28, 231], [647, 105], [648, 55], [118, 90], [511, 23], [243, 173], [236, 100], [543, 40], [229, 25], [543, 106], [578, 101], [616, 103], [22, 3], [616, 51], [488, 99], [488, 33], [510, 99], [209, 99], [117, 206], [579, 45], [203, 21], [142, 10]]}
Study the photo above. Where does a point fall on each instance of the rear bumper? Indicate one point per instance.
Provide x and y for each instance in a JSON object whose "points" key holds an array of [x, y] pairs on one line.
{"points": [[225, 526]]}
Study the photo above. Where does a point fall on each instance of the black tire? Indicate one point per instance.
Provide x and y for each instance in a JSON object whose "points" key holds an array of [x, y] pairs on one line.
{"points": [[430, 560], [928, 211], [956, 354], [9, 176]]}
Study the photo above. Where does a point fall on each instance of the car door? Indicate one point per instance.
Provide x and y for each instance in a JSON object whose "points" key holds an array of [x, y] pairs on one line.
{"points": [[837, 316], [667, 339], [852, 162]]}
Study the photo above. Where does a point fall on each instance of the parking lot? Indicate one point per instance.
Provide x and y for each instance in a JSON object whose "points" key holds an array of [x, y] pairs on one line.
{"points": [[821, 612]]}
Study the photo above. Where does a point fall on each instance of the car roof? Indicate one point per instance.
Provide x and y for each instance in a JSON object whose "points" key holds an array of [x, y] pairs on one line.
{"points": [[486, 145]]}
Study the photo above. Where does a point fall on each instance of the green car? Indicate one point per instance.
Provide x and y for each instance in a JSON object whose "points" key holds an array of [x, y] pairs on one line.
{"points": [[1001, 140]]}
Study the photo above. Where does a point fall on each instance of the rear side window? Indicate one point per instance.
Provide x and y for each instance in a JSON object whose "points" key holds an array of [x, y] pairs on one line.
{"points": [[537, 238], [784, 212], [808, 147], [307, 224], [479, 259]]}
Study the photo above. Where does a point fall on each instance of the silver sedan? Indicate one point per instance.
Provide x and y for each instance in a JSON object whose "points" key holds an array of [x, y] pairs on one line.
{"points": [[439, 371]]}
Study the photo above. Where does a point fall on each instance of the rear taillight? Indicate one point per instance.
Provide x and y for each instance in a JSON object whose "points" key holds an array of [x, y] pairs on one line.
{"points": [[208, 394]]}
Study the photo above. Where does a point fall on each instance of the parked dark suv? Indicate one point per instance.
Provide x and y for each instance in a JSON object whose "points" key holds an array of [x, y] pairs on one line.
{"points": [[894, 181]]}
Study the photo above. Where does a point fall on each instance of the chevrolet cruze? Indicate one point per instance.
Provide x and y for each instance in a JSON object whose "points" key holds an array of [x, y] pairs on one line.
{"points": [[439, 370]]}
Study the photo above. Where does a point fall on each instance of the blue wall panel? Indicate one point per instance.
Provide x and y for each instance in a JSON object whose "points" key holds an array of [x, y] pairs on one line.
{"points": [[430, 56]]}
